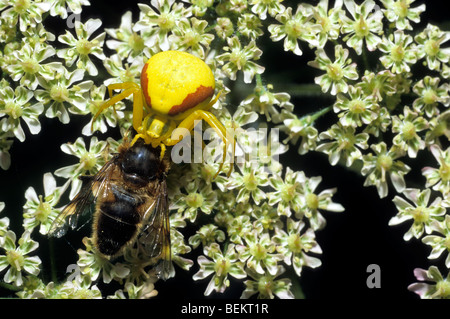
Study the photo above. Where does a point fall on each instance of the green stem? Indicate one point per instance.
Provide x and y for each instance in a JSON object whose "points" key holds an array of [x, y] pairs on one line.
{"points": [[302, 90], [259, 80], [51, 244], [319, 113], [365, 59], [210, 27], [9, 286], [296, 289]]}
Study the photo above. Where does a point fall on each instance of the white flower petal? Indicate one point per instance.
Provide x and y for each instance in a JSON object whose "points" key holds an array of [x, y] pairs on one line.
{"points": [[92, 25], [30, 195], [49, 184]]}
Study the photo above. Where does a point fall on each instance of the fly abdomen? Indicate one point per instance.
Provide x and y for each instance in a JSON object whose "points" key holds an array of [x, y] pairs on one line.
{"points": [[121, 211], [124, 207], [117, 223], [113, 235]]}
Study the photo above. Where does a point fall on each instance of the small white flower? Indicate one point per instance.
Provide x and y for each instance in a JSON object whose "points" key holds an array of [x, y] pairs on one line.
{"points": [[40, 210], [81, 48], [16, 259]]}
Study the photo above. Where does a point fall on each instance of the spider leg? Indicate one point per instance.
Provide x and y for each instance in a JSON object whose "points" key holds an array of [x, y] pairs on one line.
{"points": [[128, 89], [189, 123]]}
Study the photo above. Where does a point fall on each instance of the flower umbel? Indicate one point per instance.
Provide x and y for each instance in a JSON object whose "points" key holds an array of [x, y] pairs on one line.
{"points": [[221, 266], [421, 212], [294, 246], [430, 41], [40, 210], [343, 144], [90, 161], [81, 47], [267, 286], [401, 13], [16, 260], [400, 53], [440, 241], [295, 27], [437, 288], [337, 73], [366, 25], [383, 164], [15, 104], [27, 67], [439, 178], [237, 59], [429, 95], [407, 126]]}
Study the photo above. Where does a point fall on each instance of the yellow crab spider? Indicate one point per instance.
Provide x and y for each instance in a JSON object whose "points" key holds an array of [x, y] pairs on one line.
{"points": [[176, 90]]}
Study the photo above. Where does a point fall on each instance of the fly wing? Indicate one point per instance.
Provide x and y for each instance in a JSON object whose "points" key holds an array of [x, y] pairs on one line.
{"points": [[81, 204], [157, 238]]}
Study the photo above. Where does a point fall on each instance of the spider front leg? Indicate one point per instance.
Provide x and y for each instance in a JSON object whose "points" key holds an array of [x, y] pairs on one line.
{"points": [[189, 122], [128, 89]]}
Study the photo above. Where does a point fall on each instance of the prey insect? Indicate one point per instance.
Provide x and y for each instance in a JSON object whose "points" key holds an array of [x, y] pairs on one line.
{"points": [[129, 194]]}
